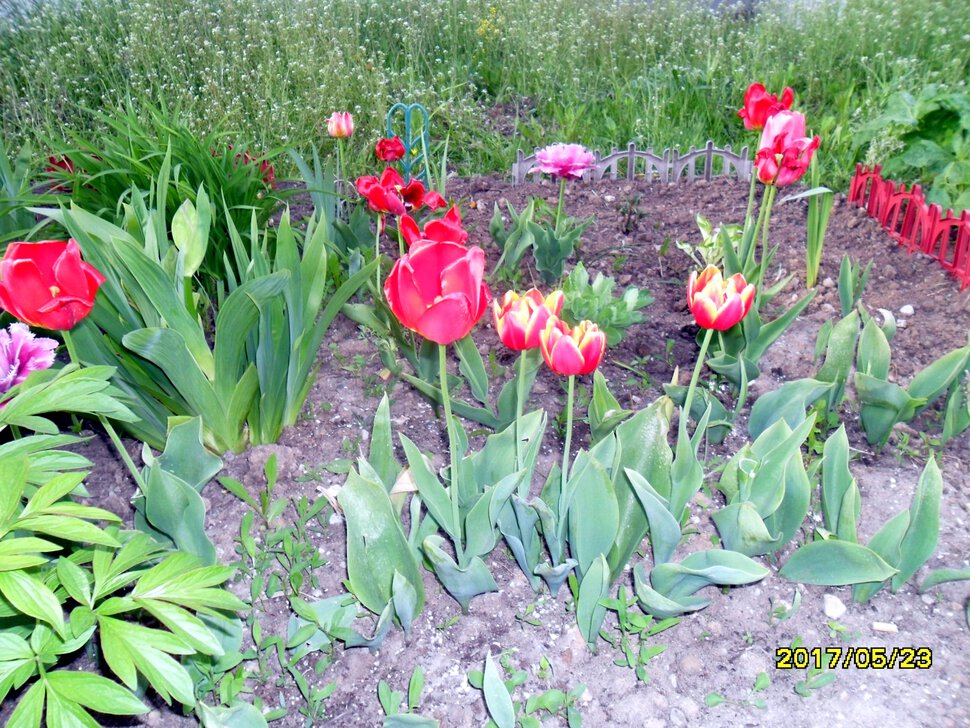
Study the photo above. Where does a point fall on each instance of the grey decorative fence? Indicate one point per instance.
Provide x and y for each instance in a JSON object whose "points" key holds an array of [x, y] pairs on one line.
{"points": [[668, 166]]}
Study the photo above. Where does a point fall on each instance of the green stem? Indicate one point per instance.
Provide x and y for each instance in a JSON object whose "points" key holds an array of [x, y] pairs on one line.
{"points": [[697, 372], [452, 451], [754, 179], [766, 207], [569, 440], [743, 394], [377, 254], [400, 240], [338, 181], [519, 408], [562, 194], [187, 295], [749, 258], [106, 423]]}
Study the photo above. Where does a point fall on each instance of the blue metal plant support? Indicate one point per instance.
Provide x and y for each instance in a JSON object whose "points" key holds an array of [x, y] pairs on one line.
{"points": [[415, 138]]}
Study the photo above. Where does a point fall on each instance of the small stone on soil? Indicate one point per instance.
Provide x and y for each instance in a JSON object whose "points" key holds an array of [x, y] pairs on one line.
{"points": [[907, 310], [884, 627], [834, 608]]}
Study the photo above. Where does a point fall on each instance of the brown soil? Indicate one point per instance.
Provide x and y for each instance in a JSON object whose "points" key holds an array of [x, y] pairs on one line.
{"points": [[721, 649]]}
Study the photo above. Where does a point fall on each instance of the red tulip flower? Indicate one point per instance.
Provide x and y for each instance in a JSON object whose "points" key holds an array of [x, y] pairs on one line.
{"points": [[415, 196], [46, 284], [785, 152], [444, 229], [437, 289], [520, 320], [340, 125], [572, 351], [390, 150], [759, 105], [383, 195], [717, 303]]}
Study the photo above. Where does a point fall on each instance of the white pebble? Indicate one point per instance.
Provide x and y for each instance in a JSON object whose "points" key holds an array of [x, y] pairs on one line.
{"points": [[884, 627], [834, 608], [907, 310]]}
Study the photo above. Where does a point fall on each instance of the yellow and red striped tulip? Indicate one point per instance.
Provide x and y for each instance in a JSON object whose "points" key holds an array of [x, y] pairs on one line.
{"points": [[520, 320], [570, 351], [718, 303]]}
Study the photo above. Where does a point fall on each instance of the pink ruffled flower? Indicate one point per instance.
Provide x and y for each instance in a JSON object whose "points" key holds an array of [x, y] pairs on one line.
{"points": [[564, 160], [785, 152], [22, 353]]}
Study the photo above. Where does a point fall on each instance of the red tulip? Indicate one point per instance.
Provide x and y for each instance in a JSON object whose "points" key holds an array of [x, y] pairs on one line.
{"points": [[785, 152], [340, 125], [47, 284], [383, 194], [390, 150], [444, 229], [717, 303], [520, 320], [572, 351], [437, 289], [415, 196], [759, 105]]}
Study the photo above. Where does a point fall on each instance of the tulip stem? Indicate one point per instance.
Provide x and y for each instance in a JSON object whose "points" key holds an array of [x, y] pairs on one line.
{"points": [[766, 208], [747, 214], [569, 438], [377, 255], [105, 422], [452, 451], [519, 408], [562, 195], [750, 257], [697, 372]]}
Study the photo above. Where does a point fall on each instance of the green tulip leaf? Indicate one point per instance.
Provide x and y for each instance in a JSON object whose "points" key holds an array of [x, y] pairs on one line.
{"points": [[840, 494], [919, 542], [742, 529], [590, 611], [835, 563], [665, 531], [376, 546], [463, 584]]}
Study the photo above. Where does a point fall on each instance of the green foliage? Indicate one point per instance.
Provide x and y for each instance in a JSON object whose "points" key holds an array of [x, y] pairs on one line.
{"points": [[506, 712], [15, 220], [136, 143], [151, 323], [137, 598], [633, 631], [852, 282], [931, 135], [595, 302], [604, 73], [883, 404]]}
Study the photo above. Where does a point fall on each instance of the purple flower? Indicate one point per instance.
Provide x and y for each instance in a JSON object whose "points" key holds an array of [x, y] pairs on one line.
{"points": [[22, 353], [564, 160]]}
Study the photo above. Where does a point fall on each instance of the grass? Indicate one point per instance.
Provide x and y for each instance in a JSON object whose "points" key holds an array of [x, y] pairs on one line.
{"points": [[599, 72]]}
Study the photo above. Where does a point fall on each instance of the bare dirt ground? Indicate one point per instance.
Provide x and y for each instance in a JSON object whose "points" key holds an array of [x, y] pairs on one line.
{"points": [[722, 649]]}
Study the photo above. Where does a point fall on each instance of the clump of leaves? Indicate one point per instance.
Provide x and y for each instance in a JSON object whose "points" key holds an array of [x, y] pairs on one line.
{"points": [[595, 301], [931, 133]]}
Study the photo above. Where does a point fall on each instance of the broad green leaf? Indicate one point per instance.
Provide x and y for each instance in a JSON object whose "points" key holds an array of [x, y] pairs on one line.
{"points": [[497, 698], [742, 529], [874, 353], [835, 563], [32, 597], [713, 566], [837, 484], [840, 352], [788, 518], [884, 542], [30, 710], [75, 581], [605, 412], [932, 381], [462, 583], [642, 447], [658, 605], [789, 403], [594, 587], [921, 536], [13, 475], [95, 692], [381, 455], [942, 576], [664, 528], [436, 499], [473, 368], [376, 546], [240, 715], [593, 513]]}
